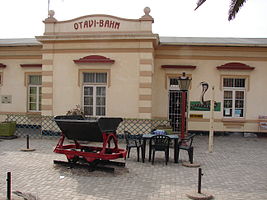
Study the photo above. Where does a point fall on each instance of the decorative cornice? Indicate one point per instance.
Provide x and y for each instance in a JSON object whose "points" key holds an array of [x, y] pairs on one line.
{"points": [[94, 59], [2, 65], [235, 66], [31, 65], [178, 67]]}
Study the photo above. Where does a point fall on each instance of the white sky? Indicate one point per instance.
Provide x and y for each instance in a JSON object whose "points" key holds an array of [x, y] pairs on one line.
{"points": [[23, 18]]}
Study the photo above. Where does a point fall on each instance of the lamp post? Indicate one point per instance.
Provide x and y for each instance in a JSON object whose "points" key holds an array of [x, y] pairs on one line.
{"points": [[184, 83]]}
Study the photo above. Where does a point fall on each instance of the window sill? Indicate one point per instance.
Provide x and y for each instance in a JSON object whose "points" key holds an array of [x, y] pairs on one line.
{"points": [[233, 120], [33, 113], [233, 123]]}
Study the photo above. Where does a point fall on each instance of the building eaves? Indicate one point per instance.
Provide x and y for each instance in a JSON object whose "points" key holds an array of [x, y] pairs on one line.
{"points": [[19, 42], [213, 41]]}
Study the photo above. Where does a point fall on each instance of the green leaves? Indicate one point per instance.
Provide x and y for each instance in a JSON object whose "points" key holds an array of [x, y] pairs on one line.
{"points": [[199, 3], [235, 5]]}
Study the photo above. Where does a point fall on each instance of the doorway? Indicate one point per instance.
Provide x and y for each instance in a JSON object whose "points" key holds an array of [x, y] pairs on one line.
{"points": [[175, 106]]}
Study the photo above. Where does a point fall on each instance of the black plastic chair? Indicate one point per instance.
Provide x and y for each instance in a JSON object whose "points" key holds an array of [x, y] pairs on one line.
{"points": [[160, 143], [186, 144], [133, 141]]}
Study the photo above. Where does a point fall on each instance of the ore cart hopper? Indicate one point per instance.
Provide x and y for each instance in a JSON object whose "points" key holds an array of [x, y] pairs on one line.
{"points": [[78, 129]]}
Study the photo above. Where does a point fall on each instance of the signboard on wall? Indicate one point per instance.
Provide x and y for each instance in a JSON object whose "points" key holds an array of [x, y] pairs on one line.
{"points": [[6, 99], [196, 116], [198, 106]]}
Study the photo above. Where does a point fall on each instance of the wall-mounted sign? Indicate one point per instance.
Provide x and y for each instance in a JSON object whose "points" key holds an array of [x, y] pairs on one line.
{"points": [[93, 23], [6, 99], [198, 106], [198, 116]]}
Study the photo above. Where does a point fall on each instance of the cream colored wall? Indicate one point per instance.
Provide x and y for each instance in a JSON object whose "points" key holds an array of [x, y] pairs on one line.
{"points": [[124, 90], [125, 41], [66, 92], [206, 62], [138, 62], [13, 86], [122, 93], [256, 96], [14, 75], [159, 93]]}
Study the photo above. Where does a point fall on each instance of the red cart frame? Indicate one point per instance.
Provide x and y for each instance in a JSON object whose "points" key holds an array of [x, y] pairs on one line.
{"points": [[78, 129]]}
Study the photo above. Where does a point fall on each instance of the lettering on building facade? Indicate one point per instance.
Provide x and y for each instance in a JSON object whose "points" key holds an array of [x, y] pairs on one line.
{"points": [[93, 23]]}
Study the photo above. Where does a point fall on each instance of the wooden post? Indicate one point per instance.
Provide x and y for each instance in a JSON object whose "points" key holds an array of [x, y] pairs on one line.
{"points": [[211, 133]]}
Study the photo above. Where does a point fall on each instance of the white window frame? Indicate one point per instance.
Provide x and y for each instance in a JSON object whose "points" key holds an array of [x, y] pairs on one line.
{"points": [[95, 86], [234, 90], [95, 114], [38, 95]]}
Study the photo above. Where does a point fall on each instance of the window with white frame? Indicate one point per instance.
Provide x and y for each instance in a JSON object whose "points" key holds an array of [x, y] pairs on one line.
{"points": [[34, 93], [174, 110], [94, 93], [234, 92]]}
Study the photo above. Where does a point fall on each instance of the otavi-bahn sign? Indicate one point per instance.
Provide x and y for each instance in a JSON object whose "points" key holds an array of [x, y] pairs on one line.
{"points": [[93, 23]]}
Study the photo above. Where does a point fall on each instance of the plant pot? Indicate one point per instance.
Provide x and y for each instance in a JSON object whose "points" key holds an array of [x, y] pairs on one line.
{"points": [[7, 128]]}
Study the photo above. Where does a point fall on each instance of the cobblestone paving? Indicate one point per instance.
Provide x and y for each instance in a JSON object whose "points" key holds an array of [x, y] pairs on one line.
{"points": [[237, 170]]}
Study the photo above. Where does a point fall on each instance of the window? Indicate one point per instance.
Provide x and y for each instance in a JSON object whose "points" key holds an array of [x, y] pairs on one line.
{"points": [[95, 78], [175, 106], [234, 97], [94, 94], [34, 93]]}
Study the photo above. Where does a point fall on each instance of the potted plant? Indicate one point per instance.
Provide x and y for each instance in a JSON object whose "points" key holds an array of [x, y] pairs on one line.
{"points": [[76, 111]]}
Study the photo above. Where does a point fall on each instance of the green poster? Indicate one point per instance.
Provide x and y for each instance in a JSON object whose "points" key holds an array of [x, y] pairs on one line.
{"points": [[197, 106]]}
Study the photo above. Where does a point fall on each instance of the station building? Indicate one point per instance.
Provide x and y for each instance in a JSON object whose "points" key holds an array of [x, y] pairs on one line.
{"points": [[113, 66]]}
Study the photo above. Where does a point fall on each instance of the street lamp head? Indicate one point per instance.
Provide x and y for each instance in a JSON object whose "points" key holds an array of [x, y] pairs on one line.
{"points": [[184, 82]]}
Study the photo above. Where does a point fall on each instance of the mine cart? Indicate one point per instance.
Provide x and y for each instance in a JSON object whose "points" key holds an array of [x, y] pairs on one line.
{"points": [[81, 130]]}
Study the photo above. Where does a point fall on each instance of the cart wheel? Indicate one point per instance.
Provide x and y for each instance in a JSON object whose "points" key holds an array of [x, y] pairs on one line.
{"points": [[73, 160]]}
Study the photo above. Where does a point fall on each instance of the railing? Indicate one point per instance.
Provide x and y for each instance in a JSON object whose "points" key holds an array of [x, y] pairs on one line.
{"points": [[37, 126]]}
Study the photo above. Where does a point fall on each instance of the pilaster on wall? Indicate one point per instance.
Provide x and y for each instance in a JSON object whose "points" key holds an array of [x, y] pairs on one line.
{"points": [[146, 67], [47, 85]]}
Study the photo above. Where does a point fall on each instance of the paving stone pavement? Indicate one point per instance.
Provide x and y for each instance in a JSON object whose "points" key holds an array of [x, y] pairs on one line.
{"points": [[236, 170]]}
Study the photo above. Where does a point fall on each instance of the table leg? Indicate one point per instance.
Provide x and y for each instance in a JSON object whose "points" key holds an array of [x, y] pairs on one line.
{"points": [[176, 151], [149, 151], [144, 150]]}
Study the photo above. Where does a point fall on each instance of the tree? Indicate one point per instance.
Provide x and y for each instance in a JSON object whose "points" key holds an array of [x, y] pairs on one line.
{"points": [[235, 5]]}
